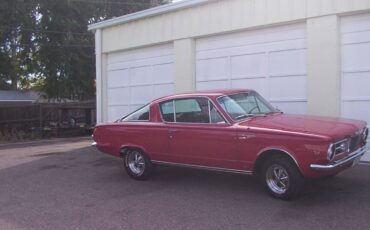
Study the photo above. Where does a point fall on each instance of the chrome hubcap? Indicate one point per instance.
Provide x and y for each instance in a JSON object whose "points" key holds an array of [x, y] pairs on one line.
{"points": [[277, 179], [136, 162]]}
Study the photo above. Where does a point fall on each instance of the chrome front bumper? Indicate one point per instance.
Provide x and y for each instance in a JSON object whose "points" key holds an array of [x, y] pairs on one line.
{"points": [[351, 159], [93, 144]]}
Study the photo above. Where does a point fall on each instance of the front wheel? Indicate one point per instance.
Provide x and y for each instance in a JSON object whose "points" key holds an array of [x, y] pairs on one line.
{"points": [[282, 178], [137, 165]]}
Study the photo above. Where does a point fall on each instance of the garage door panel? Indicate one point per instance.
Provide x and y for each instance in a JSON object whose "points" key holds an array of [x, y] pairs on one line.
{"points": [[118, 66], [163, 90], [357, 110], [356, 85], [118, 96], [141, 75], [250, 65], [116, 112], [118, 78], [212, 69], [151, 61], [141, 94], [163, 73], [287, 62], [141, 53], [291, 107], [292, 87], [355, 23], [359, 37], [234, 50], [213, 85], [356, 57], [162, 60], [231, 51], [258, 84]]}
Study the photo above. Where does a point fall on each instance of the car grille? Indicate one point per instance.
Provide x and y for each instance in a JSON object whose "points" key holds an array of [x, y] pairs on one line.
{"points": [[347, 145], [355, 142]]}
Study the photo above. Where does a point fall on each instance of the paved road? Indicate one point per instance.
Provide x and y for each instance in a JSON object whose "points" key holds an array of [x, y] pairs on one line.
{"points": [[68, 185]]}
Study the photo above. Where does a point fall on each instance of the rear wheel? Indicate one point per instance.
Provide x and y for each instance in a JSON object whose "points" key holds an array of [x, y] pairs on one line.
{"points": [[137, 165], [282, 178]]}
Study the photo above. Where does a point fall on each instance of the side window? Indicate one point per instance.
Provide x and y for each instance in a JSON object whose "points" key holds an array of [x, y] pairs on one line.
{"points": [[167, 111], [141, 114], [192, 110], [215, 116]]}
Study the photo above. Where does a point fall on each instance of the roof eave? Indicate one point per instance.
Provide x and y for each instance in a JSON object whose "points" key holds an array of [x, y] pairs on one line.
{"points": [[147, 13]]}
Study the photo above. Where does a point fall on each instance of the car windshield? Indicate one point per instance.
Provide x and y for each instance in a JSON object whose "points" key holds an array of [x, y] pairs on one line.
{"points": [[243, 105]]}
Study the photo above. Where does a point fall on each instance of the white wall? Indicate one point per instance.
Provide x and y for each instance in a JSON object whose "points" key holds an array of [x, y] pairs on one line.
{"points": [[220, 16]]}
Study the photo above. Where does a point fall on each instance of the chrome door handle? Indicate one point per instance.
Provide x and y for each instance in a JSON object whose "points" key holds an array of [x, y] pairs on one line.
{"points": [[171, 131], [244, 136]]}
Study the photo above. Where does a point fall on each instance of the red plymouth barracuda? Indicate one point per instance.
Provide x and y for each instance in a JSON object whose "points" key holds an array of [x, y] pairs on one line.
{"points": [[233, 131]]}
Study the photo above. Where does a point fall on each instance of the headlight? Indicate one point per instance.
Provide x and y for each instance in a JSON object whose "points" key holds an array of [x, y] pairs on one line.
{"points": [[338, 148], [342, 146]]}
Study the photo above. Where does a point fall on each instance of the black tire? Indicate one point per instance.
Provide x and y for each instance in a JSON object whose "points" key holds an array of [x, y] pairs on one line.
{"points": [[281, 178], [137, 165]]}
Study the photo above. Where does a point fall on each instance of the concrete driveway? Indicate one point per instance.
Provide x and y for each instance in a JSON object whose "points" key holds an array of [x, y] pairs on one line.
{"points": [[68, 185]]}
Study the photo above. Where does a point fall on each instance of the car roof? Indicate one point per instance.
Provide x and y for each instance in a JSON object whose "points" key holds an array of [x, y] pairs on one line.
{"points": [[206, 93]]}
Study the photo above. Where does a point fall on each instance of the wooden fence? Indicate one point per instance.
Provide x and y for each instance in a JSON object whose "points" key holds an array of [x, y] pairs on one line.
{"points": [[29, 117]]}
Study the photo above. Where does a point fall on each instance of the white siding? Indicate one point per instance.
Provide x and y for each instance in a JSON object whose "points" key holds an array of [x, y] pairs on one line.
{"points": [[271, 61], [138, 76], [220, 16]]}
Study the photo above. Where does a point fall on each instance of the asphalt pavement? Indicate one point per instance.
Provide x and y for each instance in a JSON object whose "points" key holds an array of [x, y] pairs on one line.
{"points": [[70, 185]]}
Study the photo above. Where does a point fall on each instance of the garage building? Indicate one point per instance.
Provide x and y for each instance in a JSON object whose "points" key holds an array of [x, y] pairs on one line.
{"points": [[304, 56]]}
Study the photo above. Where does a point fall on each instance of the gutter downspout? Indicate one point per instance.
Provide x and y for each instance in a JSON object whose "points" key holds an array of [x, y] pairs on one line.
{"points": [[98, 82]]}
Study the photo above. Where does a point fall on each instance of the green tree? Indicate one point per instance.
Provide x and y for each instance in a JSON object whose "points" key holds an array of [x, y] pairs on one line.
{"points": [[48, 40], [17, 18], [66, 49]]}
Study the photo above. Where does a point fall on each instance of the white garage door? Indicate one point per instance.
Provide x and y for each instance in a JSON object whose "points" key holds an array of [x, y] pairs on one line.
{"points": [[136, 77], [356, 69], [271, 61]]}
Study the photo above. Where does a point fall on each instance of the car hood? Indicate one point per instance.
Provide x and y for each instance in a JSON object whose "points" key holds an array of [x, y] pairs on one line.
{"points": [[333, 128]]}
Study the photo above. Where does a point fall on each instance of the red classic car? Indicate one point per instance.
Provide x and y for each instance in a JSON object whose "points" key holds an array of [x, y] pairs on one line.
{"points": [[233, 131]]}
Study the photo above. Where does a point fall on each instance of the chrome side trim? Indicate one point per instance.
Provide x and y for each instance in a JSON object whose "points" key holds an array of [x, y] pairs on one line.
{"points": [[204, 167], [348, 160], [94, 144]]}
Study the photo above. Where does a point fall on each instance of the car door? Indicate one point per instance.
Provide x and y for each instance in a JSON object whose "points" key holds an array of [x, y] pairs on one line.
{"points": [[199, 135]]}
